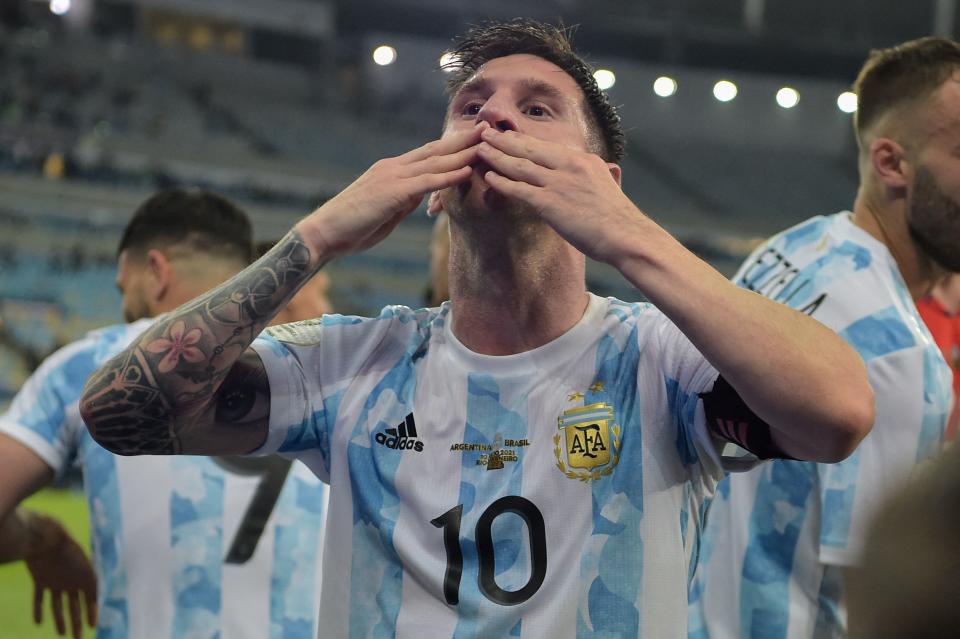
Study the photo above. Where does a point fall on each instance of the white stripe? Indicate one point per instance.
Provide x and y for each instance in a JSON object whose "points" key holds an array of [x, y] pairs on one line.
{"points": [[420, 543], [567, 508], [245, 588], [145, 488]]}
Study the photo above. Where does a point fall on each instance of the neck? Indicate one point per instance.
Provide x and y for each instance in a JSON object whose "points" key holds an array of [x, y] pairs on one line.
{"points": [[886, 220], [180, 292], [515, 293]]}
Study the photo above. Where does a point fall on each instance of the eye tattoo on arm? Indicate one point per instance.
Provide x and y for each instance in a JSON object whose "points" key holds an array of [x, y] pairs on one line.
{"points": [[192, 368]]}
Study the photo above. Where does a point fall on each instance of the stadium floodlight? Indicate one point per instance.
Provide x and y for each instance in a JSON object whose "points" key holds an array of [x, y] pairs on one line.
{"points": [[664, 86], [724, 90], [384, 55], [847, 102], [59, 7], [788, 97], [448, 62], [605, 78]]}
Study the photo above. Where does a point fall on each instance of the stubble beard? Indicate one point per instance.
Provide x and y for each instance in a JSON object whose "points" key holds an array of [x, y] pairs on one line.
{"points": [[933, 220]]}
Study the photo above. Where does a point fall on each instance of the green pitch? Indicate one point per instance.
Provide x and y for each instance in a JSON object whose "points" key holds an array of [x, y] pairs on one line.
{"points": [[16, 587]]}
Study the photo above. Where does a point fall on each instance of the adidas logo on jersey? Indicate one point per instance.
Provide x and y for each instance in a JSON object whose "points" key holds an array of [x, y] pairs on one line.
{"points": [[403, 437]]}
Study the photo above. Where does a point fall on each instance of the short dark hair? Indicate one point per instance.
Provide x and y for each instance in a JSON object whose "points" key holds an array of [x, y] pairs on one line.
{"points": [[208, 222], [899, 75], [499, 39]]}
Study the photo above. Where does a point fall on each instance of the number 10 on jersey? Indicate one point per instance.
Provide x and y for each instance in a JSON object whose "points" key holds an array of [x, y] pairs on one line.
{"points": [[486, 577]]}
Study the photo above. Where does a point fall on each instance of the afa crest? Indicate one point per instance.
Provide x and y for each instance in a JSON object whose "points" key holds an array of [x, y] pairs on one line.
{"points": [[588, 444]]}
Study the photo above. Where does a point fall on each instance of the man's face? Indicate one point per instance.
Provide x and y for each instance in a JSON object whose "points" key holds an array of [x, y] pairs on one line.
{"points": [[933, 216], [523, 93], [131, 282]]}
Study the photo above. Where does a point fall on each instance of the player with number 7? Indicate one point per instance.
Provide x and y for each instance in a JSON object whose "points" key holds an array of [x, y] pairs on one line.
{"points": [[183, 546]]}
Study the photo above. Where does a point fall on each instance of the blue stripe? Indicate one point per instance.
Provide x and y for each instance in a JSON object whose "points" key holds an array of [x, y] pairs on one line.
{"points": [[103, 502], [579, 418], [838, 492], [775, 522], [878, 334], [612, 595], [487, 417], [196, 542], [683, 408], [298, 519], [376, 576]]}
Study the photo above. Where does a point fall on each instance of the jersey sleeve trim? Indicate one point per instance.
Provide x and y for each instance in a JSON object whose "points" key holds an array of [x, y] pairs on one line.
{"points": [[40, 446], [282, 390]]}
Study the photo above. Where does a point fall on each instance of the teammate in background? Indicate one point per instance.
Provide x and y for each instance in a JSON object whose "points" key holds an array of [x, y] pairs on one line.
{"points": [[527, 459], [941, 312], [781, 536], [173, 538], [310, 302]]}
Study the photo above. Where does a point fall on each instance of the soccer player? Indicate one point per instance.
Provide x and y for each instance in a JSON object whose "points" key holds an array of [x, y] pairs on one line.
{"points": [[180, 545], [782, 535], [528, 459]]}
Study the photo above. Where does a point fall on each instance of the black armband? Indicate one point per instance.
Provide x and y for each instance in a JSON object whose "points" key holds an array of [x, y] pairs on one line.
{"points": [[731, 419]]}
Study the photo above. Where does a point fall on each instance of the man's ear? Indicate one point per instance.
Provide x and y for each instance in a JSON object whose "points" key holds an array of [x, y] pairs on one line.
{"points": [[616, 172], [161, 275], [434, 205], [890, 164]]}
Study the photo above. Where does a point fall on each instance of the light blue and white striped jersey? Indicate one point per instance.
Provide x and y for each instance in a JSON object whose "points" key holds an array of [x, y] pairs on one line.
{"points": [[779, 534], [162, 525], [553, 493]]}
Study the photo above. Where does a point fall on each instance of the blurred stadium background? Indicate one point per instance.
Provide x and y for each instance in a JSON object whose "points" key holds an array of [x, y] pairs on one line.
{"points": [[736, 114]]}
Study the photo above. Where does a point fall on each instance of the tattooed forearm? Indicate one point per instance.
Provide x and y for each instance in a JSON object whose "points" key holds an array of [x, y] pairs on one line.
{"points": [[158, 396]]}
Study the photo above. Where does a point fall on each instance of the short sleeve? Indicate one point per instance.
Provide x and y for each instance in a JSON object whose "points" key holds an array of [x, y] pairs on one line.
{"points": [[44, 416], [298, 425], [686, 375]]}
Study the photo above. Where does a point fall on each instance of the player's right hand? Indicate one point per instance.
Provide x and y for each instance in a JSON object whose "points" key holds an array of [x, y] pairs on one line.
{"points": [[369, 209], [57, 563]]}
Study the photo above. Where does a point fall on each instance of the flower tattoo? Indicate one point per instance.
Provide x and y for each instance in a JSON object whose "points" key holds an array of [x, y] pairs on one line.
{"points": [[176, 345]]}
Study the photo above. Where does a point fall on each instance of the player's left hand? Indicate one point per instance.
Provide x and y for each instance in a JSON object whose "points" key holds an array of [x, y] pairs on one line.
{"points": [[573, 190], [57, 563]]}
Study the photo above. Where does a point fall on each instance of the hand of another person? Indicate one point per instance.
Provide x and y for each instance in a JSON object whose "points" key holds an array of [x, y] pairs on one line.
{"points": [[370, 208], [573, 190], [58, 564]]}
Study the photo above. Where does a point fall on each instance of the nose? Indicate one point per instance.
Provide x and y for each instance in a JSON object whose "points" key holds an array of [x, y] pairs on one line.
{"points": [[498, 115]]}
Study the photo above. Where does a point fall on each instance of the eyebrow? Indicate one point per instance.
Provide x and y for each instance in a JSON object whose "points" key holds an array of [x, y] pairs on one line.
{"points": [[531, 85]]}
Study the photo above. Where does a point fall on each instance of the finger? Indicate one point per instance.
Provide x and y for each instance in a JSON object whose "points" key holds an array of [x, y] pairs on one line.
{"points": [[37, 604], [76, 620], [512, 188], [442, 163], [516, 168], [57, 602], [447, 145], [92, 611], [518, 145], [437, 181]]}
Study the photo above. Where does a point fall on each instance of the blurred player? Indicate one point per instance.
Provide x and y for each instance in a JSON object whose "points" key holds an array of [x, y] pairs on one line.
{"points": [[781, 536], [183, 547]]}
